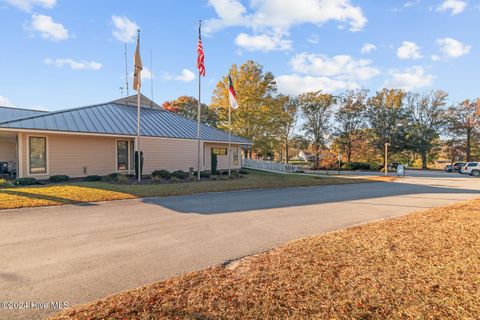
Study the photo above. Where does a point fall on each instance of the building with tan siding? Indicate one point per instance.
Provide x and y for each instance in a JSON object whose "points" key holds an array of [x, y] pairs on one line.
{"points": [[101, 139]]}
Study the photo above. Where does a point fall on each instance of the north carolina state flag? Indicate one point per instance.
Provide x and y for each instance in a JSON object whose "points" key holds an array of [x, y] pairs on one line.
{"points": [[232, 94]]}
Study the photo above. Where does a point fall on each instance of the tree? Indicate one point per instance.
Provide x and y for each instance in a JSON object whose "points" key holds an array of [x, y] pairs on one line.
{"points": [[386, 117], [350, 118], [254, 118], [188, 106], [316, 108], [287, 116], [427, 118], [466, 122]]}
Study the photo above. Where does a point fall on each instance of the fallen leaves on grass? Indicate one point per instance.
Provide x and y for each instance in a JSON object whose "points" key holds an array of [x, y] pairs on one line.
{"points": [[55, 195], [425, 265], [101, 191]]}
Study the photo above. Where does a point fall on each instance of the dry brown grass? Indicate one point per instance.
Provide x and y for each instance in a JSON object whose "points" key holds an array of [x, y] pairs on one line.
{"points": [[421, 266]]}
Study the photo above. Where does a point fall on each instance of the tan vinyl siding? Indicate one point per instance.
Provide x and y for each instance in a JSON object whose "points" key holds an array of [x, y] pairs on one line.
{"points": [[74, 155], [168, 154], [8, 150], [222, 159]]}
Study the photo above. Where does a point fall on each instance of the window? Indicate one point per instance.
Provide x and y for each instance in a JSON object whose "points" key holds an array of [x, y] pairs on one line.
{"points": [[235, 156], [37, 147], [122, 155], [219, 151]]}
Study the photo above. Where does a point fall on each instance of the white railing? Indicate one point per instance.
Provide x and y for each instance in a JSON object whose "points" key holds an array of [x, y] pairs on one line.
{"points": [[268, 166]]}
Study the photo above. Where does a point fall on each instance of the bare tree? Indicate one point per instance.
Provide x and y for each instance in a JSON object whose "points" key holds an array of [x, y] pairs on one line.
{"points": [[350, 119], [466, 123], [316, 108], [427, 118]]}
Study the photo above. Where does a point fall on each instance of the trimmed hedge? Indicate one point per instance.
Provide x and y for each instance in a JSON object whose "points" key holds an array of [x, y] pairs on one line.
{"points": [[26, 181], [360, 166], [179, 174], [112, 177], [93, 178], [163, 174], [59, 178], [203, 174]]}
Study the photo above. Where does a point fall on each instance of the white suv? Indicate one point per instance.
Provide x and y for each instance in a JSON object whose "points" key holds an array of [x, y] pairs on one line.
{"points": [[472, 168]]}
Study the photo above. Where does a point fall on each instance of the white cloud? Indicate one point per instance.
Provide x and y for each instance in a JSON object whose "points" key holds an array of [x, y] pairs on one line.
{"points": [[411, 3], [124, 29], [186, 76], [409, 50], [409, 79], [147, 73], [367, 48], [435, 57], [74, 64], [313, 39], [275, 17], [295, 84], [455, 6], [453, 48], [262, 42], [27, 5], [5, 102], [340, 66], [48, 28]]}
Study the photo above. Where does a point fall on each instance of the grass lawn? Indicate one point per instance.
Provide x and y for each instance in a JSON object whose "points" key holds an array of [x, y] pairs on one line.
{"points": [[101, 191], [422, 266]]}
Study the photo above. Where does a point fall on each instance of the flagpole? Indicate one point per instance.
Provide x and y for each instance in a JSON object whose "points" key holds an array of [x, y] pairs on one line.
{"points": [[139, 157], [229, 137], [199, 110]]}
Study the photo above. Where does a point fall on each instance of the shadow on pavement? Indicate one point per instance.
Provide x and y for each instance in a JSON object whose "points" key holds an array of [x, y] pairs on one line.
{"points": [[239, 201]]}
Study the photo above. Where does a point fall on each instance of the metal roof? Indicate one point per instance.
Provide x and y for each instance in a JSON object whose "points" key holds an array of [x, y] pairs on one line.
{"points": [[119, 119], [9, 114]]}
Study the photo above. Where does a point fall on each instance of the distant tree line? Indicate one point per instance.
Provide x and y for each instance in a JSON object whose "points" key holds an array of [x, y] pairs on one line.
{"points": [[355, 124]]}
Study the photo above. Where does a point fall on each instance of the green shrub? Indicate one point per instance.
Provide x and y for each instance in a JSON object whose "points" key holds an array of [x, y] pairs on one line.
{"points": [[213, 163], [242, 171], [5, 183], [112, 177], [93, 178], [25, 181], [59, 178], [162, 174], [203, 174], [122, 179], [179, 174], [225, 173], [360, 166]]}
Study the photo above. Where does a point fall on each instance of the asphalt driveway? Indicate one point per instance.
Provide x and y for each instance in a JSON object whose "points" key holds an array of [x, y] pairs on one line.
{"points": [[78, 253]]}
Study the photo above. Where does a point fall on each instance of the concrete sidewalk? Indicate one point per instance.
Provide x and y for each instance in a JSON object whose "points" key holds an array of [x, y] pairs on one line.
{"points": [[78, 253]]}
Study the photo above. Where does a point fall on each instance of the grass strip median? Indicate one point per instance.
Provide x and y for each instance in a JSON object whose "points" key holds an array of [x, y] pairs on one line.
{"points": [[84, 192]]}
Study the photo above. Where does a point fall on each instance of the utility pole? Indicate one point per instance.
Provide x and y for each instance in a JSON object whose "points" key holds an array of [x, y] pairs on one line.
{"points": [[386, 158]]}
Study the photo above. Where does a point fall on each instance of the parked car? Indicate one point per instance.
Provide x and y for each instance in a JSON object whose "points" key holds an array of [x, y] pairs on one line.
{"points": [[457, 167], [449, 168], [472, 168]]}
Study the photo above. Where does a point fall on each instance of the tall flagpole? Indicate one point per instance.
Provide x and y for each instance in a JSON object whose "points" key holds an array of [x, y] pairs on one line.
{"points": [[139, 157], [229, 137], [199, 110]]}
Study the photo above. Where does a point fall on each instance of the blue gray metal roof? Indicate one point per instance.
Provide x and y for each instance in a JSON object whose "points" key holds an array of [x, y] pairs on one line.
{"points": [[9, 114], [120, 119]]}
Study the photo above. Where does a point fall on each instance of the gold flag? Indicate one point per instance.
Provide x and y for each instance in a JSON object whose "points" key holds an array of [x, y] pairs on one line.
{"points": [[137, 61]]}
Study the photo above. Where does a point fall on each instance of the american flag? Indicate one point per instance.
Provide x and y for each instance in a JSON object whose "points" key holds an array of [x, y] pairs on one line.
{"points": [[232, 94], [201, 57]]}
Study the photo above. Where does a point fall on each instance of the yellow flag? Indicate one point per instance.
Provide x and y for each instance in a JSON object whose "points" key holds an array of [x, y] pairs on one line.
{"points": [[137, 61]]}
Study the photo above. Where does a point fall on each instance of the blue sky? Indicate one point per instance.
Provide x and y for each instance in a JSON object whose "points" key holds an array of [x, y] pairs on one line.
{"points": [[59, 54]]}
